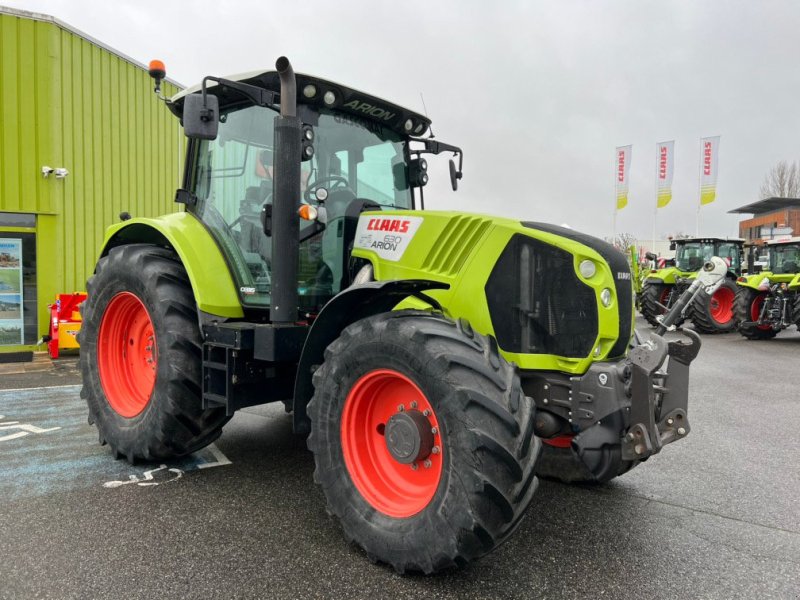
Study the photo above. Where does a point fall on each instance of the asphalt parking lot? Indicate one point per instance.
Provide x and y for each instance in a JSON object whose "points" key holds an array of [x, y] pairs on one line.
{"points": [[713, 516]]}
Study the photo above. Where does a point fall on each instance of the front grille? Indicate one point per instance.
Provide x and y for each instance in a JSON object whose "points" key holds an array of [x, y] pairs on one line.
{"points": [[537, 303], [621, 272]]}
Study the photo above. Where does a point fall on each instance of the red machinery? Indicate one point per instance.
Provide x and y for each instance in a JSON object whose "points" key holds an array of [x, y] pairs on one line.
{"points": [[65, 323]]}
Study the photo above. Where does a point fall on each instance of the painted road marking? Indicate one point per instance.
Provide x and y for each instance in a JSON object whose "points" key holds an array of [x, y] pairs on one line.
{"points": [[147, 478], [26, 428], [207, 458], [67, 457]]}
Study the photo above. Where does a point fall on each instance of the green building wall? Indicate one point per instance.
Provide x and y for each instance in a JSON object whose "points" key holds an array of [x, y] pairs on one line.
{"points": [[68, 101]]}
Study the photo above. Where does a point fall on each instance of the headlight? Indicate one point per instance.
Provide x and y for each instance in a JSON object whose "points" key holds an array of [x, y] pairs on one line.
{"points": [[587, 269], [605, 297]]}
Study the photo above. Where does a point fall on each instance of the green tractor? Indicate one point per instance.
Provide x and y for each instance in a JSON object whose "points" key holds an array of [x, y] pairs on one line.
{"points": [[427, 356], [767, 300], [662, 287]]}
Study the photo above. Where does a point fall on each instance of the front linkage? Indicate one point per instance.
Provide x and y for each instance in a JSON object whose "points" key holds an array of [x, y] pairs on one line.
{"points": [[659, 411]]}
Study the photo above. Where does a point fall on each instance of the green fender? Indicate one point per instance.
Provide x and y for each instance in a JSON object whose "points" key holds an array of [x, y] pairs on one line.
{"points": [[755, 279], [752, 281], [666, 276], [212, 284]]}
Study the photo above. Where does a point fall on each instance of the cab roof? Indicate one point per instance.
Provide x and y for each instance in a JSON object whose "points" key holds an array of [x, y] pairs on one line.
{"points": [[784, 241], [708, 239], [310, 92]]}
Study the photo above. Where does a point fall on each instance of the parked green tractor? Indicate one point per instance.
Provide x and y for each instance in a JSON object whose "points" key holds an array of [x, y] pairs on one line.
{"points": [[766, 301], [425, 355], [662, 287]]}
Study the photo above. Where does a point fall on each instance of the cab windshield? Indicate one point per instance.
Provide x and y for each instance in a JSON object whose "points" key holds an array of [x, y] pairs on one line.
{"points": [[692, 255], [354, 162], [784, 259]]}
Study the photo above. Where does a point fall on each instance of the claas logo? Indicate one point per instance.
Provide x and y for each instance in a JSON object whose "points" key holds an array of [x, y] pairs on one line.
{"points": [[398, 225]]}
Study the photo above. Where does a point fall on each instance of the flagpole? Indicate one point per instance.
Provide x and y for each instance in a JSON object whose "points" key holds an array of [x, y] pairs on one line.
{"points": [[699, 191], [614, 218], [655, 210]]}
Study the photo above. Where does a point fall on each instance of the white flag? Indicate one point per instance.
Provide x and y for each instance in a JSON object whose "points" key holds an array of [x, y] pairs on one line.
{"points": [[665, 159], [709, 149]]}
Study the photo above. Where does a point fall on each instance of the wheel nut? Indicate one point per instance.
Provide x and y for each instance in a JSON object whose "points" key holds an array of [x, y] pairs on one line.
{"points": [[413, 405], [435, 450], [401, 408], [414, 466], [426, 412], [427, 464], [434, 430]]}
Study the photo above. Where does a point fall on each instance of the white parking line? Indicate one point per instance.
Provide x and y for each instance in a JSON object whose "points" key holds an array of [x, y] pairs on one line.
{"points": [[74, 386]]}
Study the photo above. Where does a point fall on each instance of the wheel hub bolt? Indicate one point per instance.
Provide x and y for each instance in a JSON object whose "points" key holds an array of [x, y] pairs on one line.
{"points": [[435, 450], [427, 463], [401, 408], [434, 430], [408, 436]]}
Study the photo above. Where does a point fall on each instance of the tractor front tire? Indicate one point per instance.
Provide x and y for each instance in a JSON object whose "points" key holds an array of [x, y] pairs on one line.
{"points": [[654, 294], [423, 440], [141, 357], [796, 310], [715, 314], [747, 308]]}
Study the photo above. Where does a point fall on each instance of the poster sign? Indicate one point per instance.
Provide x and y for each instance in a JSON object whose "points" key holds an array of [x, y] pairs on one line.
{"points": [[11, 292]]}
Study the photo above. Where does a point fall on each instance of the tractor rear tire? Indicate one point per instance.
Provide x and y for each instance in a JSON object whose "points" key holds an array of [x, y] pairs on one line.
{"points": [[715, 314], [141, 357], [652, 295], [426, 512], [747, 307]]}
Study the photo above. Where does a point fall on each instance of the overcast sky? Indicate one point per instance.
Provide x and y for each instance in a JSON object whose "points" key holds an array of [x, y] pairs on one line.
{"points": [[538, 94]]}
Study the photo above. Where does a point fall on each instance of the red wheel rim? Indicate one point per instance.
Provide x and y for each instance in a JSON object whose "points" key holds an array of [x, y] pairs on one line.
{"points": [[721, 305], [664, 298], [755, 310], [560, 441], [391, 487], [127, 355]]}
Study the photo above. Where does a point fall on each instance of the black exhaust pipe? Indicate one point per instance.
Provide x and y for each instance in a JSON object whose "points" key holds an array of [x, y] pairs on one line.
{"points": [[286, 200]]}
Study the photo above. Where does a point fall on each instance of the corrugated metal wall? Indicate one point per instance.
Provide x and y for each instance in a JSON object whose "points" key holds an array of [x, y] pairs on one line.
{"points": [[67, 102]]}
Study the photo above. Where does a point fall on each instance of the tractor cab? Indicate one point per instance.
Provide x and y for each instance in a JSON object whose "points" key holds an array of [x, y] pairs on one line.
{"points": [[692, 253], [784, 256], [357, 155]]}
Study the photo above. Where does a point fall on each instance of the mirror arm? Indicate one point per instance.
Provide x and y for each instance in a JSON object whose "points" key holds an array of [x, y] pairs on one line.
{"points": [[259, 96], [436, 147]]}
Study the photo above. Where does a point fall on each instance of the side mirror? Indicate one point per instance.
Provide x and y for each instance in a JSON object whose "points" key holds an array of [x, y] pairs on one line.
{"points": [[201, 116], [454, 175], [650, 256], [672, 245]]}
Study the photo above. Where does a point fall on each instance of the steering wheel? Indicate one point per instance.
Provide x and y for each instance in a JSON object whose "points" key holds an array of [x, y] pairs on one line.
{"points": [[336, 182]]}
